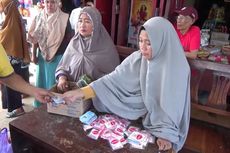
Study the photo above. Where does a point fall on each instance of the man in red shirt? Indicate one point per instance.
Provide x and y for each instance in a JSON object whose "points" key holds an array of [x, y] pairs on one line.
{"points": [[188, 33]]}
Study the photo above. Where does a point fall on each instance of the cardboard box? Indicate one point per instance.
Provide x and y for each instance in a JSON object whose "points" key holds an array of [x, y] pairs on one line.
{"points": [[75, 109]]}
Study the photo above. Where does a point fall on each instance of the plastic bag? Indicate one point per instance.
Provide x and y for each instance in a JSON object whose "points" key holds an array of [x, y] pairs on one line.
{"points": [[5, 146]]}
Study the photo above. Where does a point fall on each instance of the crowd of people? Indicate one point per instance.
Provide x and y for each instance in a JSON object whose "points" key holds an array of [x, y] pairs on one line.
{"points": [[153, 83], [13, 39]]}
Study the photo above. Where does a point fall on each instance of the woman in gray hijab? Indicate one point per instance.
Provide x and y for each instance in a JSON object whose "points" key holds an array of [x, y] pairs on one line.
{"points": [[152, 83], [91, 51]]}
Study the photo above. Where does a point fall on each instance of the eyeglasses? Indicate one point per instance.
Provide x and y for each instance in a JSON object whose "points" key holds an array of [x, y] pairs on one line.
{"points": [[183, 18]]}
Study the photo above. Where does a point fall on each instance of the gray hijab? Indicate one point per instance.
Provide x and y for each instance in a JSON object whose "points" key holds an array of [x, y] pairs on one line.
{"points": [[157, 90], [94, 56]]}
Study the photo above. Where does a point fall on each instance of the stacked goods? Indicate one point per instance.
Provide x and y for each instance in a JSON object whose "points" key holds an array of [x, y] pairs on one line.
{"points": [[88, 117], [226, 49], [218, 58], [83, 81], [203, 54], [115, 130]]}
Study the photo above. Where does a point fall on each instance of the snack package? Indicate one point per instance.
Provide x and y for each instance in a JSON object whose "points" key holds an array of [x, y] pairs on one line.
{"points": [[88, 117]]}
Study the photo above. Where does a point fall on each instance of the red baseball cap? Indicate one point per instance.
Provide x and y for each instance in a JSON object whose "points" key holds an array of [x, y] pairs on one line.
{"points": [[188, 11]]}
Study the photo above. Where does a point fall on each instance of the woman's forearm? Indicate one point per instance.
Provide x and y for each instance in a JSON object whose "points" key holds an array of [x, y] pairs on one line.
{"points": [[88, 92]]}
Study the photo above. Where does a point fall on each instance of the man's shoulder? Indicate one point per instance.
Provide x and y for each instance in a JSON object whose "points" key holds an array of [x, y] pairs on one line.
{"points": [[194, 29]]}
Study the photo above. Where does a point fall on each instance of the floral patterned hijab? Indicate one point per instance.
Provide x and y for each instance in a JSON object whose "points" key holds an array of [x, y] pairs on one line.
{"points": [[49, 31]]}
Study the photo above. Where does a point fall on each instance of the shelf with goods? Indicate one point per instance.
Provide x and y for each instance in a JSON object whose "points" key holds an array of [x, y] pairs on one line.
{"points": [[215, 30], [217, 23]]}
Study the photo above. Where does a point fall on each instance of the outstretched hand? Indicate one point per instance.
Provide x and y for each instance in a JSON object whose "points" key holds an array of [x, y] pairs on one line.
{"points": [[164, 144], [42, 95], [73, 95]]}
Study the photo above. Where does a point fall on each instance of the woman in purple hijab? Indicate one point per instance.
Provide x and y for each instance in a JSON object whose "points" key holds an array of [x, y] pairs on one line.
{"points": [[91, 51]]}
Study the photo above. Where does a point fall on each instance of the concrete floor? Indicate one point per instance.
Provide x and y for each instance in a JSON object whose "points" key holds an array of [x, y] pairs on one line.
{"points": [[4, 122], [28, 102]]}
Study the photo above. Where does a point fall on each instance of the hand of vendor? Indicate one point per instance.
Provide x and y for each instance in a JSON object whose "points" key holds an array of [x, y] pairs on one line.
{"points": [[62, 85], [164, 144], [73, 95]]}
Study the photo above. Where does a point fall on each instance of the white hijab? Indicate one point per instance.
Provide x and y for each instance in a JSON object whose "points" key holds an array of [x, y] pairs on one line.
{"points": [[74, 17], [157, 90]]}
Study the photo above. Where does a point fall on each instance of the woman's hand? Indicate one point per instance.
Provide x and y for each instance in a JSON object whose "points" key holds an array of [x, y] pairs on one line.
{"points": [[73, 95], [62, 85], [164, 144]]}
